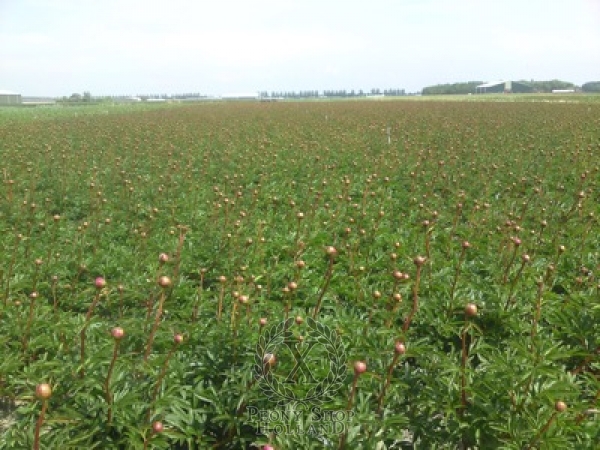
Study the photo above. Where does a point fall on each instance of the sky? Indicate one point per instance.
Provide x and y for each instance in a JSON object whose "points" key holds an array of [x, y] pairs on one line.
{"points": [[214, 47]]}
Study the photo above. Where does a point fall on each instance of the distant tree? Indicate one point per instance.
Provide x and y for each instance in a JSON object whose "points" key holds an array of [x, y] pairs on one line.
{"points": [[393, 92], [550, 85], [591, 86], [453, 88]]}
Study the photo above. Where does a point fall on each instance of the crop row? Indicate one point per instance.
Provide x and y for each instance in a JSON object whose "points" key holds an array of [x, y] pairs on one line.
{"points": [[164, 269]]}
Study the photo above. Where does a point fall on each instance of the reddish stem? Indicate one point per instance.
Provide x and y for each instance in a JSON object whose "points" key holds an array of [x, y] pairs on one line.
{"points": [[352, 392], [38, 425], [513, 284], [220, 306], [507, 270], [457, 272], [328, 276], [415, 304], [388, 379], [157, 317]]}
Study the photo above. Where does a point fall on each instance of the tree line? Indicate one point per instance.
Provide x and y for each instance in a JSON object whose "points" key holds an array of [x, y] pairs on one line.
{"points": [[591, 86], [451, 88], [341, 93], [469, 87]]}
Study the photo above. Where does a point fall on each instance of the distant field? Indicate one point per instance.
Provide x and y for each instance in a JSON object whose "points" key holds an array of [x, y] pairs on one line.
{"points": [[162, 265], [50, 111], [26, 113]]}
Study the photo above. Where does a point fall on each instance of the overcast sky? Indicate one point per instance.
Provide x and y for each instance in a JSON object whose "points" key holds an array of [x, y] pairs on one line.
{"points": [[58, 47]]}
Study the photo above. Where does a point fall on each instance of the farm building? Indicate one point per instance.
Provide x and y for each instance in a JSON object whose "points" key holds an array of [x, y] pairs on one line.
{"points": [[499, 87], [37, 101], [241, 96], [9, 98]]}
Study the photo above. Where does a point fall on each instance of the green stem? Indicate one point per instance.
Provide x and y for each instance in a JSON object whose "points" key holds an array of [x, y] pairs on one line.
{"points": [[415, 304], [161, 377], [109, 396], [542, 431]]}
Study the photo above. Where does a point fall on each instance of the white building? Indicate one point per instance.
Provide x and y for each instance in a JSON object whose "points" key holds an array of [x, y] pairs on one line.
{"points": [[9, 98], [241, 96], [503, 87]]}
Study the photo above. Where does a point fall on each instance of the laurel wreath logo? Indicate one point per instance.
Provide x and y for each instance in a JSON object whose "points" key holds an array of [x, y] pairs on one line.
{"points": [[278, 386]]}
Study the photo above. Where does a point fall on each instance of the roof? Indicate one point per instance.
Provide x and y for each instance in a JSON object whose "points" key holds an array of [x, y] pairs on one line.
{"points": [[491, 84], [2, 92]]}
